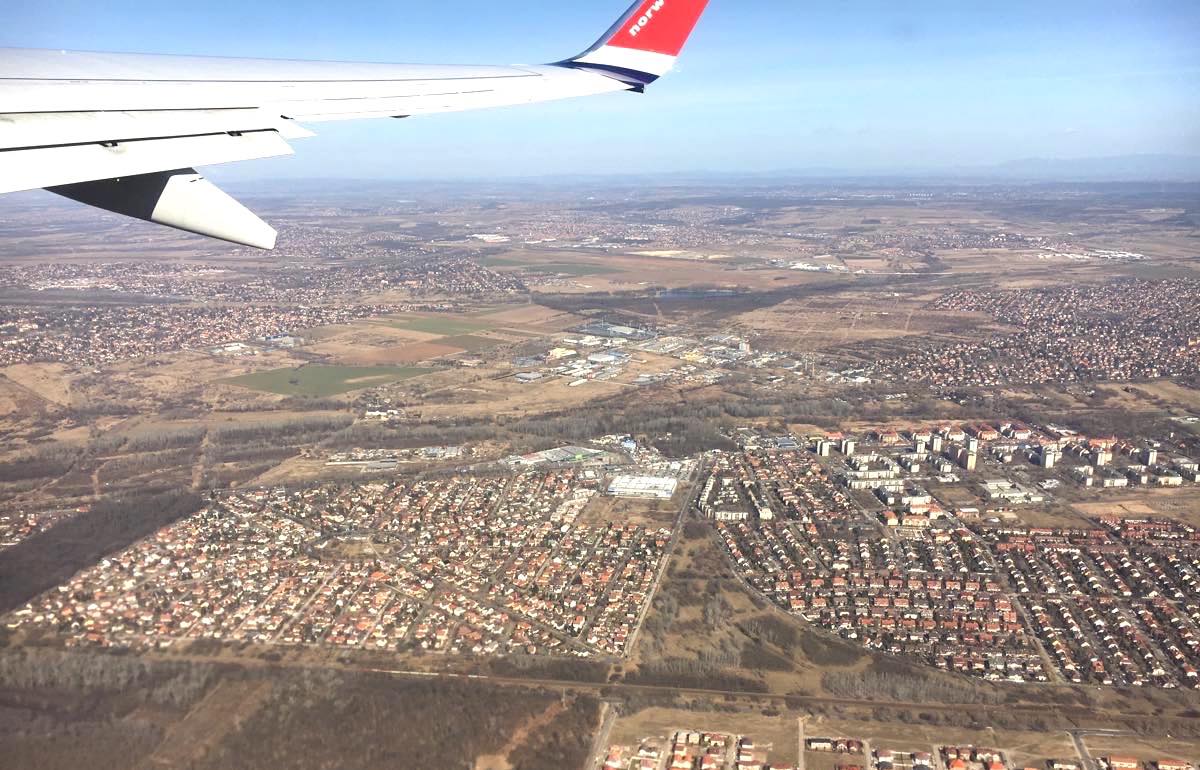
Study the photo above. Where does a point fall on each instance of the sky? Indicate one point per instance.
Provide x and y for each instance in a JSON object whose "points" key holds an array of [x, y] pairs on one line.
{"points": [[763, 86]]}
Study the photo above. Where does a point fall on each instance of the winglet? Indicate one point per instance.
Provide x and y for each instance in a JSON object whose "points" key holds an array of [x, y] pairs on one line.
{"points": [[182, 199], [644, 43]]}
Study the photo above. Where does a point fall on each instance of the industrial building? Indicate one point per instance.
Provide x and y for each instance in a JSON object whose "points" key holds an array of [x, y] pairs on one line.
{"points": [[652, 487]]}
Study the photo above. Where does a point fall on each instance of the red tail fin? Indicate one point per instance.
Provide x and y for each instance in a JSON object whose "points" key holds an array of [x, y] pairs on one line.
{"points": [[661, 26], [643, 44]]}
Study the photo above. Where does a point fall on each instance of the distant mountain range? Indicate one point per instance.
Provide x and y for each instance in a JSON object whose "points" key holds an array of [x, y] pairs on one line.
{"points": [[1117, 168], [1175, 168]]}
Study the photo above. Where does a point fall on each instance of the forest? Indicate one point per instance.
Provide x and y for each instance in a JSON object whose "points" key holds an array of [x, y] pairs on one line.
{"points": [[65, 710], [50, 558]]}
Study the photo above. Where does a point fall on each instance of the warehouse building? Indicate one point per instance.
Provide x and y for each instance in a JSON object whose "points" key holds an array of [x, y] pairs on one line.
{"points": [[652, 487]]}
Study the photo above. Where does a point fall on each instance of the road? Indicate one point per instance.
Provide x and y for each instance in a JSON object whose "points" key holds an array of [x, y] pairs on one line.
{"points": [[1085, 756], [800, 743], [608, 715]]}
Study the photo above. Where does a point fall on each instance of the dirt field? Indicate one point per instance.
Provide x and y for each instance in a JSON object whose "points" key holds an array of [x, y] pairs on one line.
{"points": [[47, 381], [1024, 749], [1145, 749], [618, 510], [198, 368], [1180, 504], [375, 332], [494, 392], [399, 354], [1172, 393], [415, 338], [13, 397], [851, 318], [628, 271], [526, 314], [220, 712], [782, 731]]}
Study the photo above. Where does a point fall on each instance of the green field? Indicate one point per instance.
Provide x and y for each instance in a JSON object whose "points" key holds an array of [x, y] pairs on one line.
{"points": [[470, 342], [434, 325], [499, 262], [564, 268], [324, 380], [572, 268]]}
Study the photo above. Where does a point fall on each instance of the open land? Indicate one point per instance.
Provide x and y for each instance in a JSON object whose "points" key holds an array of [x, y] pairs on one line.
{"points": [[323, 380], [620, 477]]}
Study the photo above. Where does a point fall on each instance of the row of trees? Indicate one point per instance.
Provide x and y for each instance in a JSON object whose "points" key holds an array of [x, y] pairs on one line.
{"points": [[693, 673], [311, 719], [324, 719], [46, 462], [295, 431], [174, 684], [915, 687]]}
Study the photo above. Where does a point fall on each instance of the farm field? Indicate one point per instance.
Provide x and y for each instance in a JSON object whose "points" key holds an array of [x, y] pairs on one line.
{"points": [[470, 342], [574, 268], [324, 380], [440, 326], [355, 355]]}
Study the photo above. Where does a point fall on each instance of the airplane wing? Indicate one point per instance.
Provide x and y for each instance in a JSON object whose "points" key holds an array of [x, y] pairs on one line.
{"points": [[124, 132]]}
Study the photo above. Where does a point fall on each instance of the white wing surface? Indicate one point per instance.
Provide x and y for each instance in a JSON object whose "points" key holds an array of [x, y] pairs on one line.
{"points": [[124, 132]]}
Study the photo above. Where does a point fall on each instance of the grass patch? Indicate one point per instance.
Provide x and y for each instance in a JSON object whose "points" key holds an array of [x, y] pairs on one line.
{"points": [[572, 268], [562, 268], [470, 343], [521, 332], [500, 262], [324, 380], [433, 325]]}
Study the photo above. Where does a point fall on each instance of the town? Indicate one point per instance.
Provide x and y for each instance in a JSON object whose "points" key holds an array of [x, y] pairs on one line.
{"points": [[854, 541], [163, 308], [841, 531], [1118, 332], [621, 475], [693, 749], [472, 565]]}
